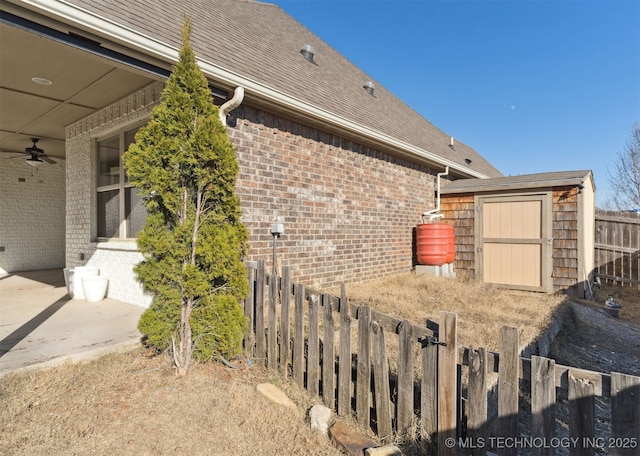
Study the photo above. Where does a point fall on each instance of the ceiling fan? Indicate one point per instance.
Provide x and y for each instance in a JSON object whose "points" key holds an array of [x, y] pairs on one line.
{"points": [[37, 154]]}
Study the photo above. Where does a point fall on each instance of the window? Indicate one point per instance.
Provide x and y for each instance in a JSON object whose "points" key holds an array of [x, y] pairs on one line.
{"points": [[120, 211]]}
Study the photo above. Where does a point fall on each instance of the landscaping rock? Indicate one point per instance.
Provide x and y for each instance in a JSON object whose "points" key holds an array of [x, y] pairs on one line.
{"points": [[274, 394], [388, 450], [319, 415], [350, 441]]}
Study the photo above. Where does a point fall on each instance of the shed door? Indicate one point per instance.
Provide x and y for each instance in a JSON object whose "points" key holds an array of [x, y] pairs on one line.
{"points": [[514, 245]]}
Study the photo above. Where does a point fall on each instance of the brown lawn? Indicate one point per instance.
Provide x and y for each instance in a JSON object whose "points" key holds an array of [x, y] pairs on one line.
{"points": [[133, 404]]}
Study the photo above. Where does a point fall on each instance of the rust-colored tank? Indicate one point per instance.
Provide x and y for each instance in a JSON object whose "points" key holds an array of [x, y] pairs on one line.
{"points": [[435, 244], [451, 250]]}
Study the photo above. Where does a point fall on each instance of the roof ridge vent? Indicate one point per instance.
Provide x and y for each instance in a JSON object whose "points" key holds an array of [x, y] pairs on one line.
{"points": [[369, 87], [308, 52]]}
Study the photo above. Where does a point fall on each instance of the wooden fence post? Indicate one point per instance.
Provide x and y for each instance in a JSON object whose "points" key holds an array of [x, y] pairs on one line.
{"points": [[260, 335], [581, 415], [272, 327], [625, 413], [328, 355], [344, 366], [298, 335], [313, 353], [405, 377], [285, 321], [447, 383], [429, 390], [363, 379], [508, 387], [381, 381], [543, 400], [249, 312], [477, 410]]}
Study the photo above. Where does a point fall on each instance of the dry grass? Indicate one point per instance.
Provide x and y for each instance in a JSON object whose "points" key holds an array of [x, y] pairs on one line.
{"points": [[482, 310], [628, 297], [132, 404]]}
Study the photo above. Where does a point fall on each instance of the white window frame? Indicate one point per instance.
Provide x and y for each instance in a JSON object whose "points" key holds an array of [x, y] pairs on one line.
{"points": [[121, 186]]}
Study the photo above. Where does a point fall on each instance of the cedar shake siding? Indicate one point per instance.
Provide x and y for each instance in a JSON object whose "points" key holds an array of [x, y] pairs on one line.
{"points": [[459, 211], [565, 238], [568, 211]]}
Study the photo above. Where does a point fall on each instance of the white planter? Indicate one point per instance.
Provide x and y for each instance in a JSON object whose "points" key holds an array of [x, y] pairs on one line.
{"points": [[73, 279], [66, 272], [94, 288]]}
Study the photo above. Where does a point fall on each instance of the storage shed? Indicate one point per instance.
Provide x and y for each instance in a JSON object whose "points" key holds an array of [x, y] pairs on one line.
{"points": [[531, 232]]}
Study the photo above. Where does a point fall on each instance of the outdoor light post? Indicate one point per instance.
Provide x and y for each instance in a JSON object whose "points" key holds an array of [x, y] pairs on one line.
{"points": [[276, 230]]}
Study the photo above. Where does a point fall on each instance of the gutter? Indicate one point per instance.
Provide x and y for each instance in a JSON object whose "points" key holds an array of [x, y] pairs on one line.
{"points": [[81, 17]]}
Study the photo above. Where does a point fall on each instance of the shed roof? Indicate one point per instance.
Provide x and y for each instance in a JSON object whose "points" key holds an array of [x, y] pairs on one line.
{"points": [[522, 182], [260, 43]]}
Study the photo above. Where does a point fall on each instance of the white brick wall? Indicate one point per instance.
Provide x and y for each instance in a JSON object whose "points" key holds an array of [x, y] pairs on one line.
{"points": [[115, 259], [32, 215]]}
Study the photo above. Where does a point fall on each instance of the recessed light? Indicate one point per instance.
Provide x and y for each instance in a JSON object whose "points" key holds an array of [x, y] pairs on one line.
{"points": [[42, 81]]}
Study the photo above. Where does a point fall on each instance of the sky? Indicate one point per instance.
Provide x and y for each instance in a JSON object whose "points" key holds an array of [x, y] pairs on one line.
{"points": [[532, 85]]}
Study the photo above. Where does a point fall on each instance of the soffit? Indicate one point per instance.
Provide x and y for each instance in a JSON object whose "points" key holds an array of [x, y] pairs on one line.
{"points": [[82, 83]]}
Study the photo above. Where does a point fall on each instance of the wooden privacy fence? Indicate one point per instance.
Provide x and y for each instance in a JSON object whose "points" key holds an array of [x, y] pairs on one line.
{"points": [[617, 247], [544, 384], [340, 351]]}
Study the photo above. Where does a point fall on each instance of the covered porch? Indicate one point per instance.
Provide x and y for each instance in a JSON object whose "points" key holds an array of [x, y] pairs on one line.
{"points": [[43, 327]]}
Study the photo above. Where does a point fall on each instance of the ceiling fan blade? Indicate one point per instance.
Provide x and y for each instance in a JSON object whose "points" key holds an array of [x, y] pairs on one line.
{"points": [[48, 160]]}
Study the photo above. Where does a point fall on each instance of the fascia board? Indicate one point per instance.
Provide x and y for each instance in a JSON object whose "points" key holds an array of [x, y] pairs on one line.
{"points": [[100, 26]]}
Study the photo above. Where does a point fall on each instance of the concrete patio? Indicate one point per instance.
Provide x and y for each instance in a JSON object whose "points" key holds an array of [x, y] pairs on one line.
{"points": [[41, 326]]}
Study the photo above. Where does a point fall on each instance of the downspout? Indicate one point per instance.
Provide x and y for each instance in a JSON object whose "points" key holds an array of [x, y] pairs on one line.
{"points": [[226, 108], [434, 213]]}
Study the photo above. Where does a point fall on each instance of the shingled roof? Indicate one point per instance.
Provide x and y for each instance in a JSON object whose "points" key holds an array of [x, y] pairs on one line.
{"points": [[260, 44], [521, 182]]}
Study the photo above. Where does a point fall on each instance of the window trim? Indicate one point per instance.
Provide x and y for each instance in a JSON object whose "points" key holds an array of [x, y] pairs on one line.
{"points": [[121, 186]]}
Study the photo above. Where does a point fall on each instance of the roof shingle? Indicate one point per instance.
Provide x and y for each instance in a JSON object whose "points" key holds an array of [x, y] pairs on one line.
{"points": [[521, 182], [261, 42]]}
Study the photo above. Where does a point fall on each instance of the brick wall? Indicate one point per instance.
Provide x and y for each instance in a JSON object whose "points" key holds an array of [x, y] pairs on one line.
{"points": [[115, 259], [348, 211], [32, 211]]}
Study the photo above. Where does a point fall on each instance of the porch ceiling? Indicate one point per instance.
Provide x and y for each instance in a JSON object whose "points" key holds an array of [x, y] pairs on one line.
{"points": [[82, 83]]}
